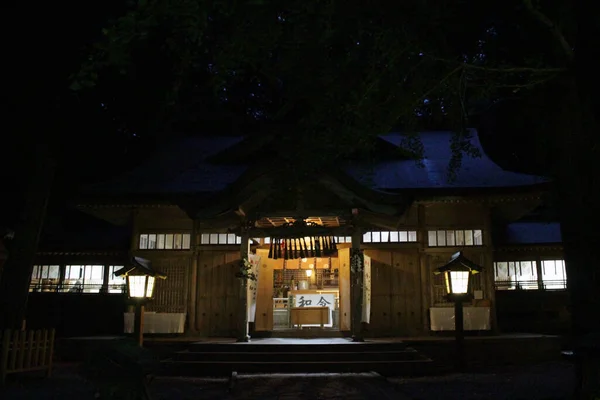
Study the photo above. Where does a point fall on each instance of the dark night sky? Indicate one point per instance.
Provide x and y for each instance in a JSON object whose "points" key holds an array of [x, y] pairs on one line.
{"points": [[91, 145]]}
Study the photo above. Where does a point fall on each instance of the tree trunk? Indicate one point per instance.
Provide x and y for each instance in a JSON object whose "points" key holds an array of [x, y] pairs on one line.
{"points": [[578, 186], [14, 282]]}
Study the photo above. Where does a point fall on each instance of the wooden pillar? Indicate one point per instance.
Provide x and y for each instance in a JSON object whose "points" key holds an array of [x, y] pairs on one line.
{"points": [[105, 278], [490, 288], [356, 288], [243, 285], [426, 272], [193, 280], [138, 324]]}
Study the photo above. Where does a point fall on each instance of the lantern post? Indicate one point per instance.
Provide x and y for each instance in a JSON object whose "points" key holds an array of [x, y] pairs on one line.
{"points": [[140, 278], [457, 279]]}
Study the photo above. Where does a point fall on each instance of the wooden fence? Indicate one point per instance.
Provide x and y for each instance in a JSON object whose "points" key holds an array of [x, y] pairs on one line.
{"points": [[26, 350]]}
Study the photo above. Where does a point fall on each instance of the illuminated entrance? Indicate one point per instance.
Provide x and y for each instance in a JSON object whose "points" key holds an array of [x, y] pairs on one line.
{"points": [[306, 294]]}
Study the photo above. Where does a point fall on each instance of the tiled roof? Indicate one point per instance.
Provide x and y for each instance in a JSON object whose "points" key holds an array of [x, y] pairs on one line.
{"points": [[184, 168], [533, 233], [179, 168], [477, 172]]}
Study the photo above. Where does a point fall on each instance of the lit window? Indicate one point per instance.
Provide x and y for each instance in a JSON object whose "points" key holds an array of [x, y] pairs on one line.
{"points": [[116, 284], [44, 278], [83, 278], [554, 274], [390, 237], [454, 238], [513, 275], [165, 241], [223, 238]]}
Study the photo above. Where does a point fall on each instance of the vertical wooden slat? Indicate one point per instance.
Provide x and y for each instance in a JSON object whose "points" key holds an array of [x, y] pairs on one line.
{"points": [[4, 356], [22, 349], [50, 353], [44, 347], [30, 344], [14, 350], [38, 340]]}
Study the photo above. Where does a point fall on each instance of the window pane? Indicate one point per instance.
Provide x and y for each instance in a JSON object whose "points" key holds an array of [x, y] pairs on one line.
{"points": [[177, 241], [367, 237], [54, 271], [432, 238], [527, 279], [116, 284], [238, 240], [93, 278], [385, 237], [348, 239], [268, 240], [214, 238], [231, 238], [152, 241], [186, 241], [477, 237], [450, 238], [205, 238], [412, 236], [143, 242], [501, 271], [394, 237], [161, 242], [468, 237], [73, 278], [169, 241], [460, 238], [441, 238], [403, 237], [74, 272], [376, 237], [553, 274], [222, 238]]}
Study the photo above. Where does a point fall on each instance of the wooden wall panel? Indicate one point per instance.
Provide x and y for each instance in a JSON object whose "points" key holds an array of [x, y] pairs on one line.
{"points": [[218, 291], [461, 216], [170, 295], [381, 276], [406, 294], [344, 278]]}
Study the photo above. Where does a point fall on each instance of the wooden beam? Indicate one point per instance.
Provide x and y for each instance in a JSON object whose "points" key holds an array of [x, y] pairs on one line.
{"points": [[287, 232]]}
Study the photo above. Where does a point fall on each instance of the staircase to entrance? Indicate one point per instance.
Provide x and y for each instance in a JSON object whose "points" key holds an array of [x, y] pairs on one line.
{"points": [[295, 355]]}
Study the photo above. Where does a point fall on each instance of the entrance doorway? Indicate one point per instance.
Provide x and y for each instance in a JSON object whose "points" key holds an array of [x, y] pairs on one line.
{"points": [[307, 296], [304, 295]]}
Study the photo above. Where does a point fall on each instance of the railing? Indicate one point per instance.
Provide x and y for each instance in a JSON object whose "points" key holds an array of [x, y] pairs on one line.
{"points": [[46, 287], [24, 351], [560, 284]]}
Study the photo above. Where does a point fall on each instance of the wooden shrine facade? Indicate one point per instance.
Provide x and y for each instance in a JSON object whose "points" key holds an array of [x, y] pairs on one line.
{"points": [[202, 266]]}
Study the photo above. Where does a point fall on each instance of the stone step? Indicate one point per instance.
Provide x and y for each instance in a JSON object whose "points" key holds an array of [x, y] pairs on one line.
{"points": [[225, 368], [274, 355], [208, 347]]}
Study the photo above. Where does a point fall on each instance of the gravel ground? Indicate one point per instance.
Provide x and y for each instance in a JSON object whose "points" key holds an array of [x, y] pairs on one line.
{"points": [[540, 382]]}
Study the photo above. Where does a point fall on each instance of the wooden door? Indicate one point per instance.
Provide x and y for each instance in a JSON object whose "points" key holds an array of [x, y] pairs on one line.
{"points": [[218, 293], [406, 307]]}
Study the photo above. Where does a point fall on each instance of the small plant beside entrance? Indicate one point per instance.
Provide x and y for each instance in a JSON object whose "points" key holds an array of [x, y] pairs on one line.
{"points": [[245, 272]]}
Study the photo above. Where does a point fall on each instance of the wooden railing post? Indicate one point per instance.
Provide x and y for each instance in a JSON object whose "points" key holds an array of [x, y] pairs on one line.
{"points": [[22, 351]]}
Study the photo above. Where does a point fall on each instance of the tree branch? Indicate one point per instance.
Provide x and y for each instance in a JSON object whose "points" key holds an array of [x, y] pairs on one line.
{"points": [[558, 35], [506, 70]]}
